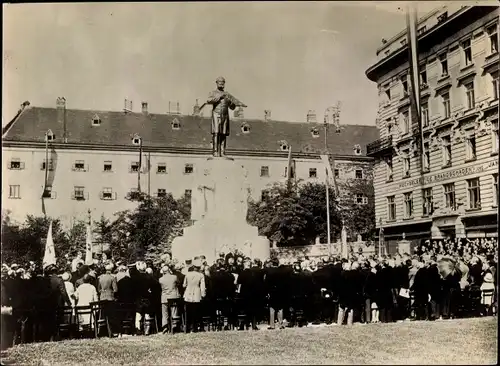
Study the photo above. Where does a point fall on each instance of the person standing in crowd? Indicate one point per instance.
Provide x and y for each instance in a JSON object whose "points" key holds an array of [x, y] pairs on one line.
{"points": [[77, 262], [276, 291], [450, 287], [369, 290], [142, 287], [57, 298], [85, 294], [347, 298], [70, 288], [249, 294], [107, 288], [194, 291], [170, 296]]}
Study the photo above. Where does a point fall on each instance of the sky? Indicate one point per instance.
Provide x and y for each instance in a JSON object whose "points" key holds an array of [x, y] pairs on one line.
{"points": [[289, 57]]}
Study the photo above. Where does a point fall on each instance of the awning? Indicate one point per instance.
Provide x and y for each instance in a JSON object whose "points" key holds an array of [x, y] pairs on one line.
{"points": [[482, 227]]}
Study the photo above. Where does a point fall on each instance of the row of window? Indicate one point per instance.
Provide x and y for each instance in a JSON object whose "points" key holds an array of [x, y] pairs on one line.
{"points": [[466, 60], [79, 193], [405, 116], [473, 197], [161, 168], [446, 153]]}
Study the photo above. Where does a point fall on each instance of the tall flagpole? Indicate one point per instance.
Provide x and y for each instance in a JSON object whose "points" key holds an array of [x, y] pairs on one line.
{"points": [[328, 232], [412, 41], [149, 173], [140, 166]]}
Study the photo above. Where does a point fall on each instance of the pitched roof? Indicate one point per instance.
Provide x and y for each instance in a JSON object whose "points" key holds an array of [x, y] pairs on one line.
{"points": [[118, 128]]}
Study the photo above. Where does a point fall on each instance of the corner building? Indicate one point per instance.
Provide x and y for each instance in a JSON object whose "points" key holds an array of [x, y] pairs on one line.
{"points": [[93, 156], [450, 187]]}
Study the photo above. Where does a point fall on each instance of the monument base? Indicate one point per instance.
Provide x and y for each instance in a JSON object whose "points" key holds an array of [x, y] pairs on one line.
{"points": [[211, 237], [219, 208]]}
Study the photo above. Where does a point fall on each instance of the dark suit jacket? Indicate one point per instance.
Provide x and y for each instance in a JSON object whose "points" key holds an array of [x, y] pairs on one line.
{"points": [[58, 295]]}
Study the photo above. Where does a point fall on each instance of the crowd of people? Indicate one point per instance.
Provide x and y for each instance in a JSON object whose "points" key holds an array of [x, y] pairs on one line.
{"points": [[441, 280]]}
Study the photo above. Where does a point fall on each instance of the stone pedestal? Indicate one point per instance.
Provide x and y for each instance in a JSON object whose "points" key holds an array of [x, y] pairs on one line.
{"points": [[219, 209]]}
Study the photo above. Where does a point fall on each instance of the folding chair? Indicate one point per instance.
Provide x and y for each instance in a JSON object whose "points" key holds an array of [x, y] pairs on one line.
{"points": [[100, 317], [179, 318], [85, 328], [125, 314], [66, 321]]}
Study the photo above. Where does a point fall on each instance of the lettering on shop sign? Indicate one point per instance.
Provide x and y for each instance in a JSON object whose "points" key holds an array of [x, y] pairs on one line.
{"points": [[448, 175]]}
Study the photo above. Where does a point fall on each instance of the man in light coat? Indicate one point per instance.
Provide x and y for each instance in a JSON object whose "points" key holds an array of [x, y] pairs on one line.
{"points": [[170, 295], [194, 291]]}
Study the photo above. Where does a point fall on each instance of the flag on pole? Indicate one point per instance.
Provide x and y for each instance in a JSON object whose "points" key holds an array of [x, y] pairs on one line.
{"points": [[411, 23], [290, 165], [345, 251], [329, 171], [88, 247], [49, 257]]}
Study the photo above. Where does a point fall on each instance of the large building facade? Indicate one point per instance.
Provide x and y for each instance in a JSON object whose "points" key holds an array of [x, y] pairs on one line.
{"points": [[447, 186], [98, 159]]}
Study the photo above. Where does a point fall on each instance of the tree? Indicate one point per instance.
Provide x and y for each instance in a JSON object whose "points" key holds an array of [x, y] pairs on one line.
{"points": [[312, 197], [280, 216], [359, 217], [27, 242], [146, 232]]}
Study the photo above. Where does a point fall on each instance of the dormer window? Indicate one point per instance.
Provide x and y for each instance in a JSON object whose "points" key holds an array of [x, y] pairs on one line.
{"points": [[284, 146], [315, 132], [136, 140], [176, 125], [245, 128], [357, 150], [49, 135], [96, 121]]}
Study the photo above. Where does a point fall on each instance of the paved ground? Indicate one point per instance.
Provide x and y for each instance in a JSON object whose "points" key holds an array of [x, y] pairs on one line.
{"points": [[463, 341]]}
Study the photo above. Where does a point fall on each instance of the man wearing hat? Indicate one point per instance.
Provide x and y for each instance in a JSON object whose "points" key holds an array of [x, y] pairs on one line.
{"points": [[221, 101]]}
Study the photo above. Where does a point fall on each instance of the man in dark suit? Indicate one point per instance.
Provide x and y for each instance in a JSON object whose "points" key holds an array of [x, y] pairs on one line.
{"points": [[56, 299], [276, 284], [248, 284]]}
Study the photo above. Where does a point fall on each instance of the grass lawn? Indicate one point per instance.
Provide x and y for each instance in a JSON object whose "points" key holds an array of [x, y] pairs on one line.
{"points": [[463, 341]]}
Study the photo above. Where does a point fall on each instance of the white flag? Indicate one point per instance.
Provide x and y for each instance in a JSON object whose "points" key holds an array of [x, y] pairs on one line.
{"points": [[50, 253], [88, 247], [345, 251]]}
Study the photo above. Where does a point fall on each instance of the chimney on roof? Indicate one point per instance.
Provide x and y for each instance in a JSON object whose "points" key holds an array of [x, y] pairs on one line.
{"points": [[267, 115], [61, 116], [128, 106], [145, 107], [238, 112], [196, 109], [311, 116]]}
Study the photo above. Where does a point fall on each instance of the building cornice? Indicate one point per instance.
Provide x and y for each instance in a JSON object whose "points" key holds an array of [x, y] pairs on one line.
{"points": [[374, 72], [176, 150]]}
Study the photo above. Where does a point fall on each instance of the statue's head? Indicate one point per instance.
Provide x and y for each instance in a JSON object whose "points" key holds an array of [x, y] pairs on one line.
{"points": [[221, 82]]}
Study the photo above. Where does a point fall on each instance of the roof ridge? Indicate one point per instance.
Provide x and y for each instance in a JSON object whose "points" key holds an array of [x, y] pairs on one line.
{"points": [[234, 119]]}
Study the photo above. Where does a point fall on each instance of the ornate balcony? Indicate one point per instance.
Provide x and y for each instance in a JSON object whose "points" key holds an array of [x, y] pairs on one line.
{"points": [[379, 146]]}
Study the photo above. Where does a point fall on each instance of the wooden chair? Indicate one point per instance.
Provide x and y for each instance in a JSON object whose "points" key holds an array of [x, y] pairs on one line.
{"points": [[179, 318], [85, 328], [66, 322], [125, 314], [100, 317]]}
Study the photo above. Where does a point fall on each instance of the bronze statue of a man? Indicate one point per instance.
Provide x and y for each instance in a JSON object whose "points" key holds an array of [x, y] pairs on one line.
{"points": [[221, 101]]}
